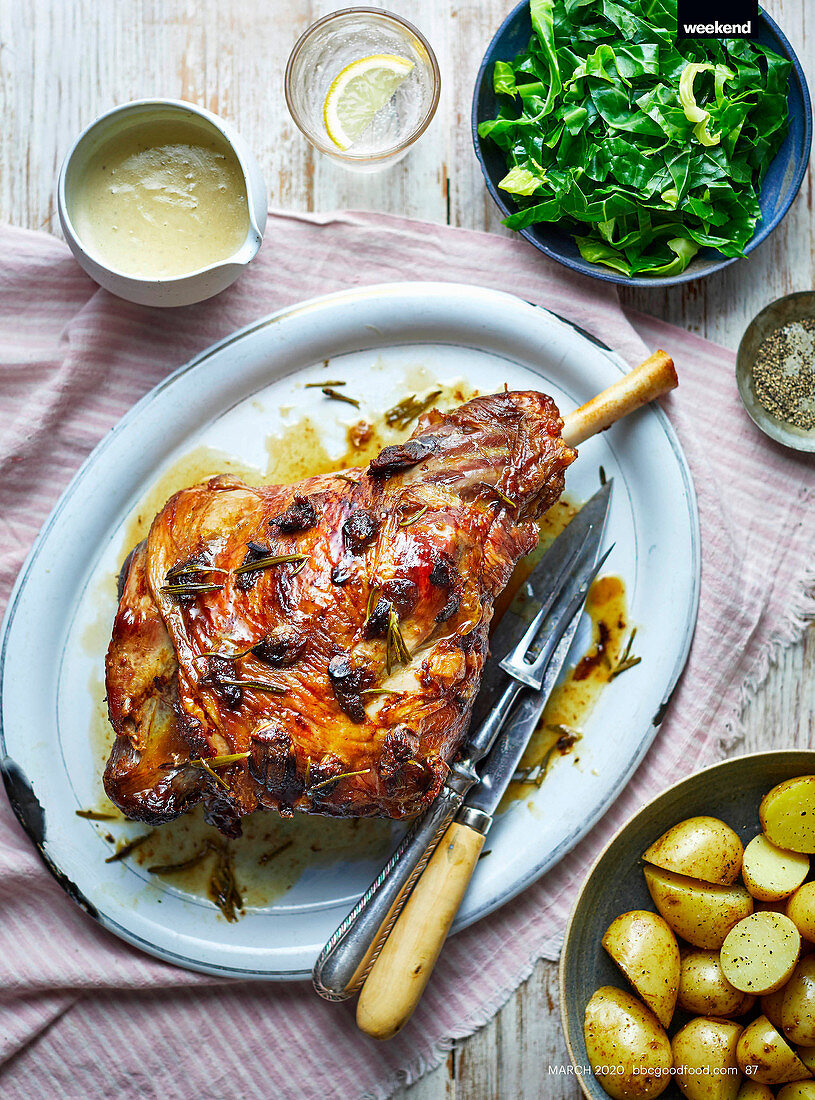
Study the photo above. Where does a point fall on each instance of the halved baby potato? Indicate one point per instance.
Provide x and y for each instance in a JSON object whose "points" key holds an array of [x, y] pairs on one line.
{"points": [[704, 1054], [765, 1056], [760, 953], [703, 848], [801, 910], [752, 1090], [798, 1090], [787, 814], [770, 873], [645, 949], [798, 1006], [627, 1046], [703, 988], [699, 912]]}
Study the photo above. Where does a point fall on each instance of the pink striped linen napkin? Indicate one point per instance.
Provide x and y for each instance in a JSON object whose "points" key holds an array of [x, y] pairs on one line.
{"points": [[83, 1015]]}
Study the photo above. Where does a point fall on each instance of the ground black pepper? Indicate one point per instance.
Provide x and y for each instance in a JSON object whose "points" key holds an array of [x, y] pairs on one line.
{"points": [[784, 374]]}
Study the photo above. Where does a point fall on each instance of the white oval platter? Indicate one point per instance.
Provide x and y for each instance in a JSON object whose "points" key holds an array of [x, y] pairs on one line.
{"points": [[232, 397]]}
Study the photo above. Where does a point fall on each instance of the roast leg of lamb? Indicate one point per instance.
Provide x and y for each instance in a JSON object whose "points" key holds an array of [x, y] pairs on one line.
{"points": [[317, 647]]}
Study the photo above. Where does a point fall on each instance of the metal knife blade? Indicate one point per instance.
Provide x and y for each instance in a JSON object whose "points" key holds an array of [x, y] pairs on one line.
{"points": [[502, 761], [539, 586]]}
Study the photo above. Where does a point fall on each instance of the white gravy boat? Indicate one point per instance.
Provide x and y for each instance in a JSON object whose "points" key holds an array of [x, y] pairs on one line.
{"points": [[178, 290]]}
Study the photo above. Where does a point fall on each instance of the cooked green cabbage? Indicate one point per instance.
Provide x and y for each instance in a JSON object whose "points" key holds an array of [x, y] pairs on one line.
{"points": [[643, 147]]}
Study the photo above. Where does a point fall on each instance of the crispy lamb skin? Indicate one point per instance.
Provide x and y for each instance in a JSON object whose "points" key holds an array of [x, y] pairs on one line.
{"points": [[372, 640]]}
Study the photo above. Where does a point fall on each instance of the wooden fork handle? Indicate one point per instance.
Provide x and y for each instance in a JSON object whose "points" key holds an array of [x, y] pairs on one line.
{"points": [[399, 976]]}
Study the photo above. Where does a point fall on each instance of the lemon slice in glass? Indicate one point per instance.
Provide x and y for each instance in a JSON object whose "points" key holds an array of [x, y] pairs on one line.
{"points": [[358, 92]]}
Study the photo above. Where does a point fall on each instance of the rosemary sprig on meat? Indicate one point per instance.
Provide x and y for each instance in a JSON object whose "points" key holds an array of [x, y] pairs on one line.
{"points": [[406, 522], [186, 569], [272, 559], [220, 761], [396, 650], [401, 415], [258, 685], [345, 477], [501, 496], [209, 764], [335, 779], [189, 589]]}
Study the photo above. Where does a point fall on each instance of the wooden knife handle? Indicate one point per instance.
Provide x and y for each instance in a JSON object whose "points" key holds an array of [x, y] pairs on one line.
{"points": [[644, 383], [398, 977]]}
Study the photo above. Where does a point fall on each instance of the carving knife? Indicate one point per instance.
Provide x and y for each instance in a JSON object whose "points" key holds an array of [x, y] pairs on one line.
{"points": [[349, 955]]}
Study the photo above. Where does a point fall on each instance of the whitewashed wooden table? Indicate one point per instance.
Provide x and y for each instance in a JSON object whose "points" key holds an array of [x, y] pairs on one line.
{"points": [[62, 63]]}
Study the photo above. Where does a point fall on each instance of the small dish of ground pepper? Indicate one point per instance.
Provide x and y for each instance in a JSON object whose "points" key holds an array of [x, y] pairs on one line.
{"points": [[775, 370]]}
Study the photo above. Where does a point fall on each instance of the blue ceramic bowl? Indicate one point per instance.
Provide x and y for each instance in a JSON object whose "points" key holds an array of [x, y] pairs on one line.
{"points": [[780, 186]]}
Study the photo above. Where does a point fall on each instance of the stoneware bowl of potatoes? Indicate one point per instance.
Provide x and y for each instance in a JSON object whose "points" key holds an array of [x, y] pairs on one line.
{"points": [[688, 967]]}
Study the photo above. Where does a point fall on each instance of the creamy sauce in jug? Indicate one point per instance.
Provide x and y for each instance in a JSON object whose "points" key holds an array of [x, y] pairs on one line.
{"points": [[161, 200]]}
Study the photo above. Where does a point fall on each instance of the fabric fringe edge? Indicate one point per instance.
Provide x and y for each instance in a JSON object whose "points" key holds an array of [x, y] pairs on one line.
{"points": [[799, 617]]}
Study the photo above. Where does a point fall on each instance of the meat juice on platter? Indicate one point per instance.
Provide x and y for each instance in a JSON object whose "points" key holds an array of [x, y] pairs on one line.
{"points": [[272, 853]]}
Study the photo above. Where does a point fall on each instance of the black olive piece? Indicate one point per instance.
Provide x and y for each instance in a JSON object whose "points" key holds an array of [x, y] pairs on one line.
{"points": [[341, 573], [347, 681], [359, 530], [403, 594], [280, 652], [443, 573], [377, 623], [254, 552], [299, 516], [273, 765], [219, 669], [451, 607], [402, 456]]}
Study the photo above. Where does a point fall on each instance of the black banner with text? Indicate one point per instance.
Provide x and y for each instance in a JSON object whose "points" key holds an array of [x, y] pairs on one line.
{"points": [[717, 18]]}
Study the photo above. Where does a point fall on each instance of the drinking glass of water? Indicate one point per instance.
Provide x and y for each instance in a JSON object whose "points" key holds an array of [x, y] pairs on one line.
{"points": [[362, 84]]}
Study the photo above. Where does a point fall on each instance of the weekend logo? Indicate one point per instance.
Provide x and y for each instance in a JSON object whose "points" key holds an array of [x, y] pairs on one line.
{"points": [[717, 18]]}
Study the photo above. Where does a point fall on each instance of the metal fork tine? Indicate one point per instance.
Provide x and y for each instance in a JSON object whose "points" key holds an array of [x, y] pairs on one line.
{"points": [[531, 673]]}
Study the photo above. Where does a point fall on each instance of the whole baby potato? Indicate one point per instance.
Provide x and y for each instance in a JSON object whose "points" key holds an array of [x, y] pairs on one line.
{"points": [[765, 1056], [799, 1090], [627, 1047], [798, 1006], [760, 953], [807, 1056], [699, 912], [752, 1090], [704, 1054], [702, 848], [747, 1005], [770, 873], [645, 949], [801, 910], [703, 988], [787, 814]]}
